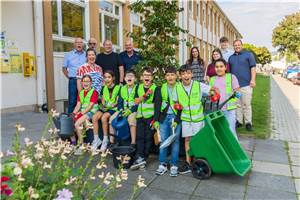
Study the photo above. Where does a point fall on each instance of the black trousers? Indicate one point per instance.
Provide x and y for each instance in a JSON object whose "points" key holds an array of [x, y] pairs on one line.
{"points": [[144, 137]]}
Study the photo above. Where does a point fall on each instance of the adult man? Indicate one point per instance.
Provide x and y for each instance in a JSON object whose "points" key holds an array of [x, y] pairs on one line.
{"points": [[110, 60], [242, 65], [226, 52], [72, 61], [129, 57], [92, 44]]}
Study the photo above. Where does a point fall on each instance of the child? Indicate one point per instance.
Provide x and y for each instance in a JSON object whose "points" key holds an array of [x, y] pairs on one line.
{"points": [[87, 105], [189, 94], [227, 83], [127, 95], [109, 101], [169, 118], [148, 93]]}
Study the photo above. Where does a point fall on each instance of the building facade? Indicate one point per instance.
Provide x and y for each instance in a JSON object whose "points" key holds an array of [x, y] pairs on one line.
{"points": [[35, 35]]}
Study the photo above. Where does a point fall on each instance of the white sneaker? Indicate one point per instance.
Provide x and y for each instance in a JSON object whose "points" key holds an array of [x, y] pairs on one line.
{"points": [[174, 171], [95, 144], [161, 170], [78, 152], [104, 146]]}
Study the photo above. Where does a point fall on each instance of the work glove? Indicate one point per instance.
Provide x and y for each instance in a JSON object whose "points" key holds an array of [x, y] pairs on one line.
{"points": [[174, 125], [156, 125], [126, 113]]}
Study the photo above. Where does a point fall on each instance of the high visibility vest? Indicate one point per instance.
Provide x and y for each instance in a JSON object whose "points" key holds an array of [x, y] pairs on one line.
{"points": [[231, 104], [111, 100], [146, 108], [166, 99], [192, 106], [128, 98], [86, 100]]}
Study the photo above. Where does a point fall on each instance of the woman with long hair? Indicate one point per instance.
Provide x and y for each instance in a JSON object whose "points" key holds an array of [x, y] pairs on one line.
{"points": [[216, 54], [197, 65]]}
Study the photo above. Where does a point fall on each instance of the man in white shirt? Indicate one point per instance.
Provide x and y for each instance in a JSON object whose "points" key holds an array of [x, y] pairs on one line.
{"points": [[226, 52]]}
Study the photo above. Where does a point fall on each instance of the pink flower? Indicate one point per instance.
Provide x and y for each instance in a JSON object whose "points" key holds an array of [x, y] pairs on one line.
{"points": [[64, 194]]}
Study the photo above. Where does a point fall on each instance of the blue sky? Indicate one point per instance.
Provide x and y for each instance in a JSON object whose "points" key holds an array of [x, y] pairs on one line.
{"points": [[256, 19]]}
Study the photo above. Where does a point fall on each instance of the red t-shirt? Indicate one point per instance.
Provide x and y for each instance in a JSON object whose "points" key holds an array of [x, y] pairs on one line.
{"points": [[211, 71], [94, 97]]}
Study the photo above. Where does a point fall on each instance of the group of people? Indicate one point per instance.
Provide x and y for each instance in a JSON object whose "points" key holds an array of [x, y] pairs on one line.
{"points": [[104, 86]]}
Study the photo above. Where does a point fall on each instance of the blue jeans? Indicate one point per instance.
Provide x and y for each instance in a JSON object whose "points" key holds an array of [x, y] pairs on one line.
{"points": [[165, 132], [231, 118], [72, 94]]}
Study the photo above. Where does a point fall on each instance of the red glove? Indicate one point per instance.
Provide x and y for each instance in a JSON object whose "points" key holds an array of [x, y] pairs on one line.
{"points": [[177, 106], [146, 95], [214, 95], [77, 116]]}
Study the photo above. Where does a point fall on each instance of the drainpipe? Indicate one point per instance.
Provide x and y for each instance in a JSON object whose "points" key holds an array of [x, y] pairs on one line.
{"points": [[39, 52]]}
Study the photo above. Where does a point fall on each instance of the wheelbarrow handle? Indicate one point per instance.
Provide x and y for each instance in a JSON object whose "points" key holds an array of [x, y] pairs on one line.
{"points": [[229, 98]]}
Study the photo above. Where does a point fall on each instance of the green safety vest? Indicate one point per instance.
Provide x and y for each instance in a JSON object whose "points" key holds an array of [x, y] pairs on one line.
{"points": [[165, 98], [145, 108], [111, 100], [86, 100], [128, 98], [192, 106], [231, 104]]}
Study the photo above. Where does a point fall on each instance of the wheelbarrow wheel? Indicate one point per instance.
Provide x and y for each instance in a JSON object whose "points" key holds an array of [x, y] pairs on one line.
{"points": [[201, 169]]}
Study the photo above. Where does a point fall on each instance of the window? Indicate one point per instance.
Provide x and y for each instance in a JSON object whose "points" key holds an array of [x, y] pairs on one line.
{"points": [[204, 14], [136, 26], [198, 11], [68, 22], [190, 2], [110, 22]]}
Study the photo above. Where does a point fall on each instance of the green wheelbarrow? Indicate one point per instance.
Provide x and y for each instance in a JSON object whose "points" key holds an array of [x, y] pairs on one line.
{"points": [[216, 150]]}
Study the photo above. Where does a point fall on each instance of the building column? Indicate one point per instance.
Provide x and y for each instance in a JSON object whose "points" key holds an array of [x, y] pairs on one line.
{"points": [[48, 44], [94, 22]]}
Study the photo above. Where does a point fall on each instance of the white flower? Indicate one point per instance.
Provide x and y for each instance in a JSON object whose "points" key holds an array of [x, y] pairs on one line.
{"points": [[63, 157], [10, 153], [20, 178], [27, 141], [141, 182], [101, 176], [17, 171], [32, 194], [123, 174], [92, 177], [26, 162], [118, 185], [64, 194], [19, 127], [101, 165], [54, 113], [47, 166], [1, 154], [70, 180], [50, 130]]}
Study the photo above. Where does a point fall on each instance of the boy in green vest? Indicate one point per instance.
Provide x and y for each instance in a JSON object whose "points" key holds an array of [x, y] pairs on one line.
{"points": [[169, 118], [148, 93], [227, 83], [126, 103], [189, 93]]}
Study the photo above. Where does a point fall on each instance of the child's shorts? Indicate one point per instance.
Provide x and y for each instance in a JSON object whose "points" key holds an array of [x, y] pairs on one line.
{"points": [[131, 118], [90, 115], [111, 112], [190, 129]]}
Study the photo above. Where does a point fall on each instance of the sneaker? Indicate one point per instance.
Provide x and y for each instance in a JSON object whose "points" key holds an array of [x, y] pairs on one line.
{"points": [[161, 170], [104, 146], [238, 124], [95, 144], [138, 163], [186, 168], [249, 127], [174, 171], [78, 152]]}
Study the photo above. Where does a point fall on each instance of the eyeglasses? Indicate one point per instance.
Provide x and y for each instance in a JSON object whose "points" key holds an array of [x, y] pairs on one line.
{"points": [[92, 43], [86, 81]]}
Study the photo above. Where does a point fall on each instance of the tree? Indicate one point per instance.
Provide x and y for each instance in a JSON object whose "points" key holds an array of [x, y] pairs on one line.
{"points": [[262, 54], [286, 36], [159, 39]]}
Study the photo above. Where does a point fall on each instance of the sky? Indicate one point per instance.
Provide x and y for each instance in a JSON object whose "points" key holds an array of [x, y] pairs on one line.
{"points": [[255, 19]]}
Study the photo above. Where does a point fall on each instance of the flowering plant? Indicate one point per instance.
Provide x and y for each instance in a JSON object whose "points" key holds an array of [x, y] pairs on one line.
{"points": [[47, 169]]}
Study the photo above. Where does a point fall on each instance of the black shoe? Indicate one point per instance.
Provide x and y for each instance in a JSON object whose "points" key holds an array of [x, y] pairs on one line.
{"points": [[138, 163], [184, 169], [238, 124], [133, 146], [113, 145], [249, 127]]}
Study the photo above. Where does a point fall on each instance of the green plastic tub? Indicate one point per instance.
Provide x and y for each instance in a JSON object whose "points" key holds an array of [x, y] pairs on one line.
{"points": [[215, 146]]}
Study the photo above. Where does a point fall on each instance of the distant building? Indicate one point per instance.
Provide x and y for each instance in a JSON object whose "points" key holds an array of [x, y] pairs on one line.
{"points": [[45, 30]]}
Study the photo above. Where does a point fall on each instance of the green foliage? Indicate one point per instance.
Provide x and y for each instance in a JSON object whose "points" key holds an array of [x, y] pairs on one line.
{"points": [[286, 36], [159, 39], [262, 54]]}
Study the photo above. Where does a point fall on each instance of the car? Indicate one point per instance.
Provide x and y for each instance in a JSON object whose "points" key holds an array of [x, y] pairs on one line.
{"points": [[291, 71]]}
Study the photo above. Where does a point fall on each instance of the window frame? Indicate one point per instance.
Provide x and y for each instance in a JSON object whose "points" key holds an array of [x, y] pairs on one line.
{"points": [[112, 15], [60, 37], [139, 24]]}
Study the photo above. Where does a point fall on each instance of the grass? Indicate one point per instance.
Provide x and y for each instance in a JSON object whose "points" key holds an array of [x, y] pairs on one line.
{"points": [[261, 115]]}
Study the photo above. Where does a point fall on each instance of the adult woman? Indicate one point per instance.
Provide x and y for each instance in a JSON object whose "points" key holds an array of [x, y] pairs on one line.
{"points": [[216, 54], [92, 69], [197, 65]]}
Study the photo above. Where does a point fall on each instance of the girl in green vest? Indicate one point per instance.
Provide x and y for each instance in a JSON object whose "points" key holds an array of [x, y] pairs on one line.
{"points": [[87, 105], [227, 83]]}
